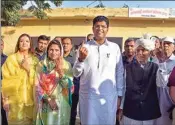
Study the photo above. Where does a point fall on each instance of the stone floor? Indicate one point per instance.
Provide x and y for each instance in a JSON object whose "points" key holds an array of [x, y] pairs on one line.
{"points": [[78, 118], [78, 121]]}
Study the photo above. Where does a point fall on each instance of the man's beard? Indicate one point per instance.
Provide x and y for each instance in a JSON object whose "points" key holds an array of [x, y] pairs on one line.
{"points": [[130, 54], [40, 51]]}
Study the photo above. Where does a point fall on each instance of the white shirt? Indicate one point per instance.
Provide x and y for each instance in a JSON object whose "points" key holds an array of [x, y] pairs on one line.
{"points": [[102, 71], [164, 71]]}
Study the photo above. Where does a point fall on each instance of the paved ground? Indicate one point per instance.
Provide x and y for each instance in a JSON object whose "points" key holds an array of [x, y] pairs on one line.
{"points": [[78, 118], [78, 121]]}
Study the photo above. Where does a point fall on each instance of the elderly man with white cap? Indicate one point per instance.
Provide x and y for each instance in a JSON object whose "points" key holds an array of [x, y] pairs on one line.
{"points": [[141, 106], [166, 64]]}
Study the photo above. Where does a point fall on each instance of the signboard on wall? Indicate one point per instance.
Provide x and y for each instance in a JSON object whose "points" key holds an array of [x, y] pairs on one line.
{"points": [[149, 12], [172, 12]]}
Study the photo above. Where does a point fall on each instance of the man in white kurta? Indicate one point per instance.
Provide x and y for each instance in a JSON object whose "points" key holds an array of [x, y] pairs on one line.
{"points": [[163, 73], [101, 83]]}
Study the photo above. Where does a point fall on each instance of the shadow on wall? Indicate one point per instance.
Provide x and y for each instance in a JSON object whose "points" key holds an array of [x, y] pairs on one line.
{"points": [[10, 32]]}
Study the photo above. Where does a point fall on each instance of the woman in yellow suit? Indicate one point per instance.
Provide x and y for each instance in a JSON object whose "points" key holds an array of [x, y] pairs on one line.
{"points": [[17, 85]]}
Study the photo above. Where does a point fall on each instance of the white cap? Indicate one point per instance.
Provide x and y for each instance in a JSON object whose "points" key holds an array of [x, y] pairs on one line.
{"points": [[145, 43], [169, 39]]}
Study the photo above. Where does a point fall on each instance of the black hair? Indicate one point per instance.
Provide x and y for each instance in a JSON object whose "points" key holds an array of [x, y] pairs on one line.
{"points": [[43, 37], [30, 40], [57, 37], [100, 19], [89, 35], [129, 40], [56, 42], [62, 39], [156, 38]]}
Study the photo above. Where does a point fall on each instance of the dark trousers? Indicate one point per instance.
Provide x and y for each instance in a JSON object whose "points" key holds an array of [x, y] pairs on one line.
{"points": [[117, 122], [3, 116], [75, 98]]}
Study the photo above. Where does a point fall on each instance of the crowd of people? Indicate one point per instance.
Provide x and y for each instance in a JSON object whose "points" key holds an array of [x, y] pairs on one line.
{"points": [[44, 86]]}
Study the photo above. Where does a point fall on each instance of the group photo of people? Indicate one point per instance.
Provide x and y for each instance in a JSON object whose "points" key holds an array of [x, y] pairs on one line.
{"points": [[56, 82]]}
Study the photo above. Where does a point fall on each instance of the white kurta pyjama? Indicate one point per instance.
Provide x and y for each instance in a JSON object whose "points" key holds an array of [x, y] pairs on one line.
{"points": [[101, 83]]}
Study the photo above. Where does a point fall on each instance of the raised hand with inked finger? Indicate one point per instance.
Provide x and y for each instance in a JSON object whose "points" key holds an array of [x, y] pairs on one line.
{"points": [[25, 64], [59, 66], [83, 52]]}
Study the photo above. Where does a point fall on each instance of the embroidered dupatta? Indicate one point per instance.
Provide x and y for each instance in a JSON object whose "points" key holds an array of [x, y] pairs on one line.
{"points": [[48, 80]]}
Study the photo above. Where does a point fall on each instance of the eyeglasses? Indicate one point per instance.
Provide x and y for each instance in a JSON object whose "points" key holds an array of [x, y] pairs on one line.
{"points": [[100, 26], [168, 43]]}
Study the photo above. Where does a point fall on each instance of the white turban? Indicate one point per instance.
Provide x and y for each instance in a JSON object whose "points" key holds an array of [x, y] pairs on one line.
{"points": [[147, 36], [145, 43]]}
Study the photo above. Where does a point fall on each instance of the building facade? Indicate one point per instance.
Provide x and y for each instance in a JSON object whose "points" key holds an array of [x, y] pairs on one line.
{"points": [[77, 23]]}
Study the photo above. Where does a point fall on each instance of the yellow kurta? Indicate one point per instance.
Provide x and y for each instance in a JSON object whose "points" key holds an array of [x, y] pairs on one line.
{"points": [[17, 86]]}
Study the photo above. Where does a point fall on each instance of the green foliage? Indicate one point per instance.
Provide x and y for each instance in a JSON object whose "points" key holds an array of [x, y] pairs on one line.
{"points": [[125, 6], [10, 10]]}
